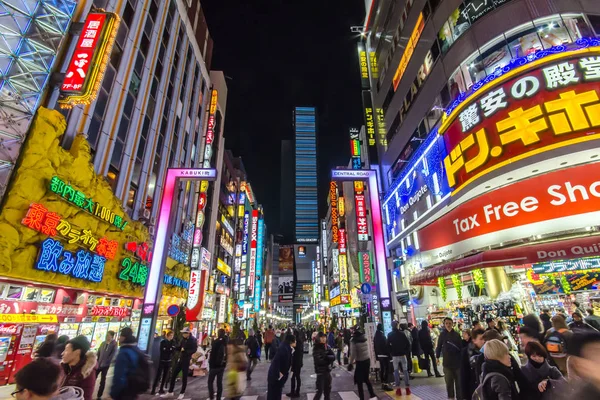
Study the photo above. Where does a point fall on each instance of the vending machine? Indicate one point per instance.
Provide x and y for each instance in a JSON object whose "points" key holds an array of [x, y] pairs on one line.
{"points": [[31, 337], [9, 334]]}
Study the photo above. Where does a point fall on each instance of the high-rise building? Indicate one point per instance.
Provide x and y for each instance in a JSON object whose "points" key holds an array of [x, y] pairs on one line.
{"points": [[307, 210]]}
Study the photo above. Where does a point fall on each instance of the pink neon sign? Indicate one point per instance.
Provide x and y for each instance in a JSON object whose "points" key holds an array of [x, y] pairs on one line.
{"points": [[371, 175], [160, 244]]}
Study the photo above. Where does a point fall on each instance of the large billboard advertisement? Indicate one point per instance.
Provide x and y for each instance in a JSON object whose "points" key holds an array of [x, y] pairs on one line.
{"points": [[253, 244], [285, 289], [286, 258]]}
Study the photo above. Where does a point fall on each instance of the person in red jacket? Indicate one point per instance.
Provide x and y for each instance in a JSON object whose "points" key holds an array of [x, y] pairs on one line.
{"points": [[79, 364]]}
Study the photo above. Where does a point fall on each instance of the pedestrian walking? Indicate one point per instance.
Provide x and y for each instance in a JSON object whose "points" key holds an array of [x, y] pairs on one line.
{"points": [[339, 345], [79, 364], [468, 360], [359, 354], [237, 364], [449, 347], [592, 319], [132, 369], [584, 354], [297, 364], [415, 346], [275, 344], [545, 379], [280, 368], [426, 344], [216, 364], [557, 342], [347, 337], [399, 349], [382, 352], [497, 379], [253, 352], [579, 325], [166, 352], [269, 336], [186, 348], [323, 359], [38, 380], [106, 355]]}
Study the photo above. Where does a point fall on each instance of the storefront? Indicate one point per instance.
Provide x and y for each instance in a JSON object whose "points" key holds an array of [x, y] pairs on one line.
{"points": [[71, 261], [496, 214]]}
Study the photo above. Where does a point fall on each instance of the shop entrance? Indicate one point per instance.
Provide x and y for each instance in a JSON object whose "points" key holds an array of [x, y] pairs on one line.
{"points": [[159, 256]]}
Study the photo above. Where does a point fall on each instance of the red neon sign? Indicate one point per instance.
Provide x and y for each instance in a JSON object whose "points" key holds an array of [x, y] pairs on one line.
{"points": [[105, 311], [342, 241], [361, 217]]}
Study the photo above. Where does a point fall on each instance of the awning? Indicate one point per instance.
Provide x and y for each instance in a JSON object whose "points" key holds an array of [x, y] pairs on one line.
{"points": [[530, 254]]}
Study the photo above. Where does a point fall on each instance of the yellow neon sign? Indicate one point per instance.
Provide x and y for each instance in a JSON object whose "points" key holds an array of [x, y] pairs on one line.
{"points": [[409, 50]]}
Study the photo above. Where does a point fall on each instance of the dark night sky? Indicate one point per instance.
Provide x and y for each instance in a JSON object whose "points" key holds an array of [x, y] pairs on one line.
{"points": [[280, 54]]}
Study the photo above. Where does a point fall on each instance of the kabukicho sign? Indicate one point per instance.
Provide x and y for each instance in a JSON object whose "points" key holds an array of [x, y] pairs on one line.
{"points": [[557, 201]]}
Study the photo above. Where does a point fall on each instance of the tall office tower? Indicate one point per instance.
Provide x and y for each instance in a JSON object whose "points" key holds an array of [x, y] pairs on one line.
{"points": [[307, 213]]}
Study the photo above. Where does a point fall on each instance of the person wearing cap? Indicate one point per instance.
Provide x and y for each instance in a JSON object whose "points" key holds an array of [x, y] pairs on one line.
{"points": [[127, 361], [79, 365], [37, 380], [186, 348]]}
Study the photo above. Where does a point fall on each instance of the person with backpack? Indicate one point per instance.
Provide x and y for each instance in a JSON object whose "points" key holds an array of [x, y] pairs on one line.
{"points": [[468, 359], [426, 345], [253, 352], [497, 379], [557, 342], [79, 365], [382, 352], [399, 349], [323, 358], [449, 347], [132, 369], [544, 378], [167, 349], [268, 337], [106, 355], [216, 364], [186, 349]]}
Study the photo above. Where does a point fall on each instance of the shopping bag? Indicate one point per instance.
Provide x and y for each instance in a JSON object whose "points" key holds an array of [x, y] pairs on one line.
{"points": [[416, 368], [424, 363]]}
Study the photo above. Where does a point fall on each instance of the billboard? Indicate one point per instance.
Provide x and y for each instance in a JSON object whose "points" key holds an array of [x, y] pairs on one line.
{"points": [[259, 264], [285, 289], [286, 258], [253, 250]]}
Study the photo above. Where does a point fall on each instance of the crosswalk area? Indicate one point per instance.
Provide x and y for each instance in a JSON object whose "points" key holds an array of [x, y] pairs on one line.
{"points": [[341, 395]]}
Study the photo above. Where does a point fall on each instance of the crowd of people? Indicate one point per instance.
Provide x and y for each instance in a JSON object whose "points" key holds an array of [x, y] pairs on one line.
{"points": [[551, 357]]}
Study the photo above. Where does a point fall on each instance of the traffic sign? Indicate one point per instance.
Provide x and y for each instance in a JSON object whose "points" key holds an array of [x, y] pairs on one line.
{"points": [[365, 288], [173, 310]]}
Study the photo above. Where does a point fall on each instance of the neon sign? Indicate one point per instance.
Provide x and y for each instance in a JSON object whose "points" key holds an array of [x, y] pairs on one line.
{"points": [[78, 199], [366, 267], [361, 217], [259, 262], [253, 250], [80, 265], [134, 271], [224, 268], [334, 212], [344, 287], [553, 106], [409, 50], [91, 55], [246, 229], [106, 311], [173, 281], [342, 241], [40, 219]]}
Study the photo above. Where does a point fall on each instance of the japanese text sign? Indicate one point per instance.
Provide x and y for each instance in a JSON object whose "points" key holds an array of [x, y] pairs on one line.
{"points": [[80, 265], [333, 197], [361, 217], [551, 106], [409, 50], [366, 267], [90, 57]]}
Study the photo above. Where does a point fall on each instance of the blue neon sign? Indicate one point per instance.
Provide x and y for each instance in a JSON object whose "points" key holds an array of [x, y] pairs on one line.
{"points": [[259, 262]]}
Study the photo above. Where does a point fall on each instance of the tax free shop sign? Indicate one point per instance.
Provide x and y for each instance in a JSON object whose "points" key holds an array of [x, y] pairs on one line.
{"points": [[557, 201]]}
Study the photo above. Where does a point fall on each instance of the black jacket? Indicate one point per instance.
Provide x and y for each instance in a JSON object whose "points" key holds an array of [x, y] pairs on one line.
{"points": [[187, 347], [298, 356], [499, 387], [323, 358], [518, 375], [537, 374], [416, 349], [381, 345], [546, 322], [218, 354], [281, 364], [398, 343], [167, 349], [425, 340], [253, 346], [450, 347], [469, 379]]}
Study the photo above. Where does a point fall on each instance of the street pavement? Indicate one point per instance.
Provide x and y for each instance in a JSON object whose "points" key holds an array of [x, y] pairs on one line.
{"points": [[343, 387]]}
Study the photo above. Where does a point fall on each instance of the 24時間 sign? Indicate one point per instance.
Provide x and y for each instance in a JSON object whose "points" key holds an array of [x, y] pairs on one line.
{"points": [[86, 69], [554, 105]]}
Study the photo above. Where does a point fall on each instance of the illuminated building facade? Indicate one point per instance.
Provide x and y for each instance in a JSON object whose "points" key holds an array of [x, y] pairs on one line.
{"points": [[449, 81], [307, 213]]}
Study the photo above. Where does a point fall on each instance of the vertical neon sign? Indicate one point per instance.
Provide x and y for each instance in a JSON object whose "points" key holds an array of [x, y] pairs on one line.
{"points": [[259, 262]]}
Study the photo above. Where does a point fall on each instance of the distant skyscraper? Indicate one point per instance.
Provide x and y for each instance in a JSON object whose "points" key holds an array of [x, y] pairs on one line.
{"points": [[307, 213]]}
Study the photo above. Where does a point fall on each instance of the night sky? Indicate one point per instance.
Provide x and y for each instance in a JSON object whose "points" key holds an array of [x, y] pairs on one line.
{"points": [[279, 54]]}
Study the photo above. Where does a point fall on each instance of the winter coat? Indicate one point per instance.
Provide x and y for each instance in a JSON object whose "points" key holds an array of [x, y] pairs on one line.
{"points": [[298, 356], [381, 345], [416, 349], [468, 372], [167, 349], [536, 375], [450, 347], [82, 375], [253, 347], [323, 358], [281, 364], [274, 347], [425, 341], [359, 349], [546, 322], [331, 339], [398, 343], [187, 348], [107, 353], [594, 321], [581, 327], [126, 362], [269, 336], [218, 354], [339, 343], [499, 387], [45, 349]]}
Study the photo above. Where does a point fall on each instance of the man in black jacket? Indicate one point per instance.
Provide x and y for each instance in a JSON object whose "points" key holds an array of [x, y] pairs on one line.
{"points": [[280, 368], [167, 348], [449, 345], [399, 349], [186, 348], [216, 364], [297, 364], [253, 349], [323, 358], [468, 360], [382, 352], [426, 345]]}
